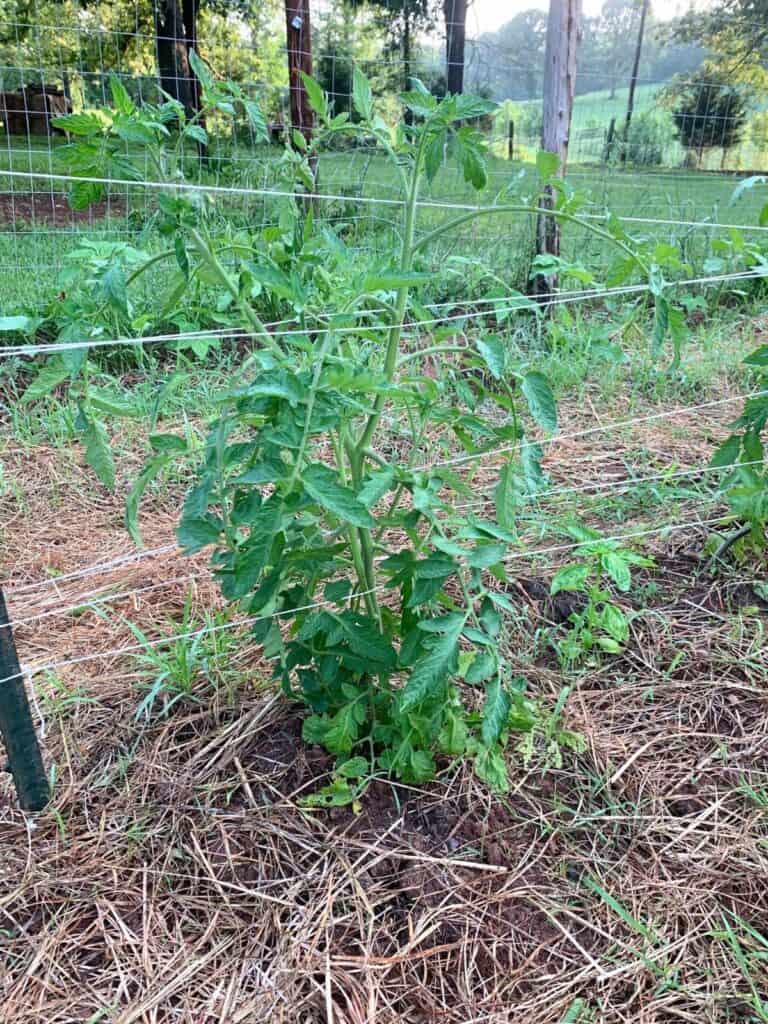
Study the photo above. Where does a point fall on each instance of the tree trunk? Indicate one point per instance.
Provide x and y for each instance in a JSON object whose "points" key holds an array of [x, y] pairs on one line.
{"points": [[563, 34], [172, 54], [455, 12], [407, 59], [299, 44], [633, 79], [190, 11]]}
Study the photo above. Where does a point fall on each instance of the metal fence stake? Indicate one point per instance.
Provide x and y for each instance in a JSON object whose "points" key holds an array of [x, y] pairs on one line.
{"points": [[16, 726]]}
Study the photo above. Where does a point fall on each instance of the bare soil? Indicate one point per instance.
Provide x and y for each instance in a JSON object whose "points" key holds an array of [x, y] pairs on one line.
{"points": [[19, 208]]}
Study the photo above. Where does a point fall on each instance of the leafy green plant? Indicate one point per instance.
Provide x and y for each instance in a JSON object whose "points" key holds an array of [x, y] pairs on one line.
{"points": [[746, 485], [373, 596], [599, 625]]}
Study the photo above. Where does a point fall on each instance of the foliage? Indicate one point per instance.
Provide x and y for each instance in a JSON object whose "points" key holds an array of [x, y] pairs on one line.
{"points": [[600, 624], [645, 146], [709, 112], [372, 595]]}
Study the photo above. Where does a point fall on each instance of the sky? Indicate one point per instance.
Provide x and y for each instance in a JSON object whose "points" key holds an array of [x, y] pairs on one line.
{"points": [[488, 15]]}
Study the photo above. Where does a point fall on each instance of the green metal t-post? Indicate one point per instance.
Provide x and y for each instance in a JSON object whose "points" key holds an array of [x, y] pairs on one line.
{"points": [[16, 726]]}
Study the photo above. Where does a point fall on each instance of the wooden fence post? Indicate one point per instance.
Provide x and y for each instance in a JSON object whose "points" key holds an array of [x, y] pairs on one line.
{"points": [[511, 140], [16, 725], [299, 43], [563, 34]]}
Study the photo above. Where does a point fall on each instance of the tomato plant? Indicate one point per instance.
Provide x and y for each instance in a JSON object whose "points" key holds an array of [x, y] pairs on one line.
{"points": [[373, 596]]}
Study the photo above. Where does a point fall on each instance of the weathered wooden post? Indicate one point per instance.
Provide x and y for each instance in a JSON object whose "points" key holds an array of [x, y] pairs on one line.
{"points": [[299, 44], [609, 141], [563, 33], [16, 725], [511, 140]]}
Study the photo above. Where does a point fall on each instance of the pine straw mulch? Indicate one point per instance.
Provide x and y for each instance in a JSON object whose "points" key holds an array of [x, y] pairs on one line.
{"points": [[176, 877]]}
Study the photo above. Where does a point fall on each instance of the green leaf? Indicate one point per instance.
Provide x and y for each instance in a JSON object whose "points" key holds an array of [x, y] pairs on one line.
{"points": [[618, 569], [482, 667], [376, 486], [354, 768], [494, 354], [168, 443], [433, 157], [258, 121], [98, 453], [362, 97], [505, 497], [757, 358], [193, 534], [80, 124], [197, 133], [430, 674], [541, 401], [728, 452], [491, 767], [547, 164], [113, 405], [113, 286], [495, 711], [54, 373], [120, 98], [614, 622], [201, 71], [467, 107], [322, 484], [318, 101], [570, 577], [140, 484]]}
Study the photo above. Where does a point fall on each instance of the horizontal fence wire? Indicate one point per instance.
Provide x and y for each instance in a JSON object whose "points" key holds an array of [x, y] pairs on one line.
{"points": [[95, 598], [52, 666], [524, 304], [431, 204]]}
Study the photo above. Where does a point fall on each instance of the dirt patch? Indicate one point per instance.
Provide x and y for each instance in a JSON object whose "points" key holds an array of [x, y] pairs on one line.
{"points": [[20, 208]]}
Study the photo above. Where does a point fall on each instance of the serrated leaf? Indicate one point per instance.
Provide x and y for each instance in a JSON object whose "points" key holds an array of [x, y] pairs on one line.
{"points": [[201, 71], [728, 452], [322, 484], [547, 164], [757, 358], [541, 400], [482, 667], [618, 570], [614, 622], [98, 453], [375, 487], [150, 471], [168, 443], [197, 133], [570, 577], [79, 124], [121, 100], [317, 99], [430, 674], [495, 711], [113, 405], [113, 286], [50, 376], [362, 97], [491, 767], [193, 534], [494, 354]]}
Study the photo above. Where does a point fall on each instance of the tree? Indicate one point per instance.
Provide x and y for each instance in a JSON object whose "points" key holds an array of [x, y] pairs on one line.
{"points": [[455, 13], [617, 28], [709, 111], [735, 31], [172, 41], [509, 62], [402, 20]]}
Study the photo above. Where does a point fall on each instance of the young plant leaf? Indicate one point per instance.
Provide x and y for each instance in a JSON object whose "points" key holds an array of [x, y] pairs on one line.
{"points": [[541, 401], [322, 484], [495, 711]]}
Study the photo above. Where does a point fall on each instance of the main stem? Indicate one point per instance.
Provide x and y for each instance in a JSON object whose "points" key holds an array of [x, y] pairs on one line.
{"points": [[357, 451]]}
